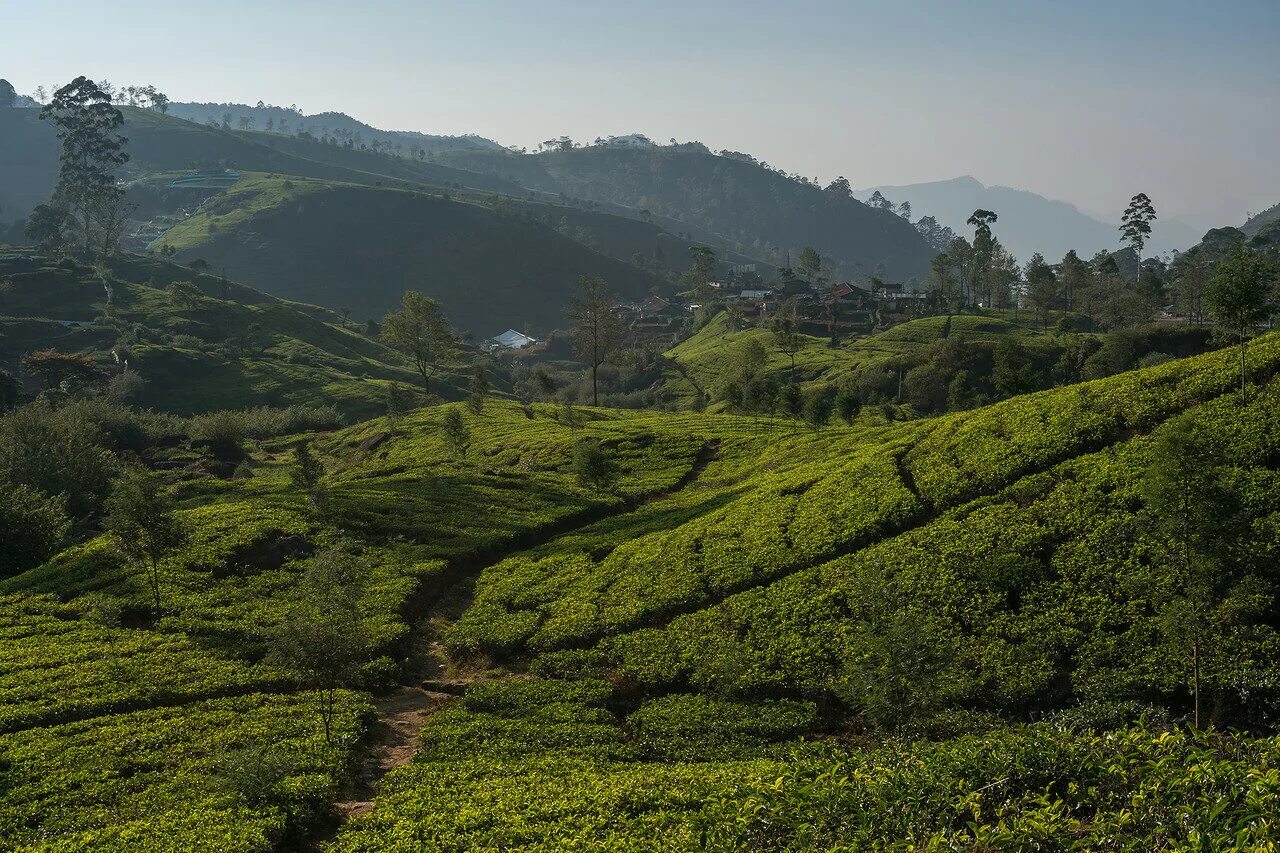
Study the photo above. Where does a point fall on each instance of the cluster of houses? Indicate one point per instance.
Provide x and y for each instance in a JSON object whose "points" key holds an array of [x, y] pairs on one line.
{"points": [[842, 305]]}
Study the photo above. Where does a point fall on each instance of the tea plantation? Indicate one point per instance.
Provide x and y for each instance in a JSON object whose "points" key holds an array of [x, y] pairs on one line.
{"points": [[725, 633]]}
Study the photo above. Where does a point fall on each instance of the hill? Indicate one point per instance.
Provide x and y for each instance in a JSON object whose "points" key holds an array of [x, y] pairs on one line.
{"points": [[290, 121], [1258, 221], [165, 143], [232, 347], [347, 245], [960, 618], [932, 364], [753, 208], [1029, 222]]}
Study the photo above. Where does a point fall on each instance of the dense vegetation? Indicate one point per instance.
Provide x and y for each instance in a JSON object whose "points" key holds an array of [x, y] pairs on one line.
{"points": [[192, 341], [315, 241], [965, 583]]}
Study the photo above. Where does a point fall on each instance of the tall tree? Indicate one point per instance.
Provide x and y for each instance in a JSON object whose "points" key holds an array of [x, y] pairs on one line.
{"points": [[810, 263], [786, 333], [597, 331], [1182, 488], [1073, 275], [1241, 297], [1042, 287], [88, 127], [984, 248], [1135, 226], [144, 525], [701, 271], [420, 330], [7, 94], [1191, 273], [322, 639]]}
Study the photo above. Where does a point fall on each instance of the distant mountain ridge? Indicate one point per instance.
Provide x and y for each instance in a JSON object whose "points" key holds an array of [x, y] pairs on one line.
{"points": [[290, 120], [743, 203], [1028, 222]]}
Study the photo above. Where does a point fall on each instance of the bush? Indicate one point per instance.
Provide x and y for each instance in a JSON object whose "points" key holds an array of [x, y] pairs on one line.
{"points": [[58, 451], [222, 432], [32, 527], [594, 466]]}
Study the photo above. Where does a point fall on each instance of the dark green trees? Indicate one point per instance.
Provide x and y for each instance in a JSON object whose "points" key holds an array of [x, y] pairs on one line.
{"points": [[86, 197], [1241, 297], [419, 330], [597, 332], [321, 640], [1135, 225], [142, 521]]}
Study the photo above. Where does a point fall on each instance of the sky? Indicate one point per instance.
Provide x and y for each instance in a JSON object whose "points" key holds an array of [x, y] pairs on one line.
{"points": [[1085, 101]]}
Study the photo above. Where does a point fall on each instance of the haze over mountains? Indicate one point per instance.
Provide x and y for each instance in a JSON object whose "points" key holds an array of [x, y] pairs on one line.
{"points": [[1029, 222]]}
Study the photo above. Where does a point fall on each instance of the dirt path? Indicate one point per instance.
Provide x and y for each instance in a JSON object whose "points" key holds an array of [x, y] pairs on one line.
{"points": [[432, 676], [401, 716]]}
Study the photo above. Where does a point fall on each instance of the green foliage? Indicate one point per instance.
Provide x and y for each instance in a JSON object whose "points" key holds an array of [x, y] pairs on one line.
{"points": [[142, 522], [456, 434], [57, 451], [593, 466], [32, 527]]}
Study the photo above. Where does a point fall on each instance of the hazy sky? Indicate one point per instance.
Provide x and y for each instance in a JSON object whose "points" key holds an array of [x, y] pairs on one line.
{"points": [[1085, 101]]}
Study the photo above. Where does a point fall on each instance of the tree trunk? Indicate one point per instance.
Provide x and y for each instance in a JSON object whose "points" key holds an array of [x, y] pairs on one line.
{"points": [[155, 584], [1243, 390], [1195, 674], [595, 394]]}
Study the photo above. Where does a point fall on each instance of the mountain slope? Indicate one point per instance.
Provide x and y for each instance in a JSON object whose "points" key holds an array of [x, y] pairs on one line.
{"points": [[751, 206], [345, 245], [163, 143], [1028, 222], [231, 348]]}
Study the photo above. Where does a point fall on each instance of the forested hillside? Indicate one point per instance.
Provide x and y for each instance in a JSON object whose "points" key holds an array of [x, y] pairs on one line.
{"points": [[759, 210], [346, 245], [192, 342]]}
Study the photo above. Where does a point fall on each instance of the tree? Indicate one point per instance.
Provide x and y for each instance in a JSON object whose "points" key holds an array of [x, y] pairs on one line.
{"points": [[849, 406], [786, 335], [1241, 297], [984, 249], [56, 367], [420, 331], [10, 390], [307, 471], [810, 263], [1182, 488], [456, 435], [32, 527], [7, 94], [597, 331], [840, 188], [1042, 287], [818, 406], [479, 389], [1012, 372], [144, 525], [1073, 275], [88, 127], [1191, 275], [321, 639], [593, 466], [184, 294], [1135, 226], [942, 284], [701, 271], [790, 401], [47, 226]]}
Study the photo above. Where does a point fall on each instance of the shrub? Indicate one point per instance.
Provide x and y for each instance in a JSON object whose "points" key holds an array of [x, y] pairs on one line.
{"points": [[32, 526], [593, 466]]}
